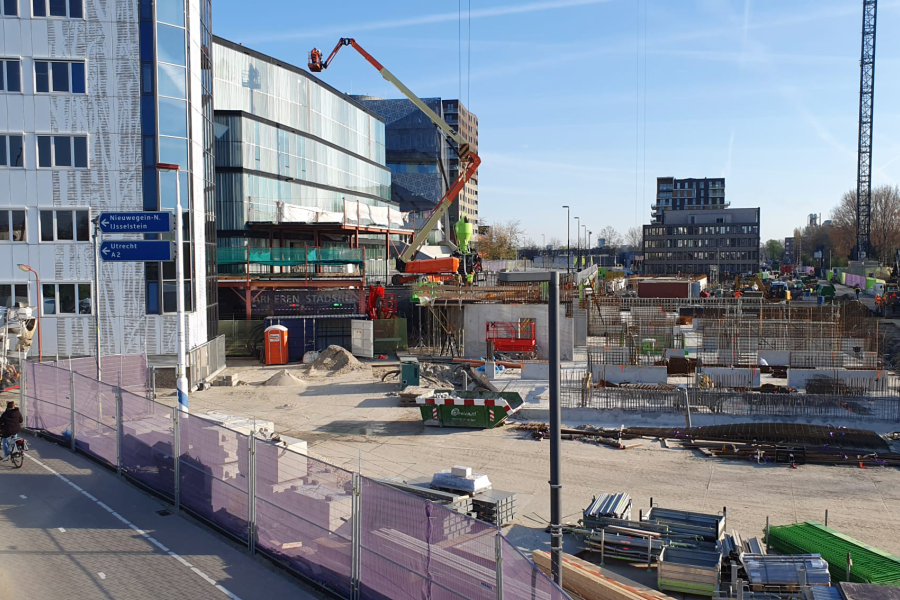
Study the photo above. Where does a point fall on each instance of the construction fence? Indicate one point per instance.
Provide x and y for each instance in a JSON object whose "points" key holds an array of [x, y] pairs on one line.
{"points": [[343, 532], [577, 392]]}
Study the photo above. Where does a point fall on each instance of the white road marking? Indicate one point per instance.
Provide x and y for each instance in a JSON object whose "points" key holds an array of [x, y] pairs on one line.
{"points": [[145, 535], [23, 497]]}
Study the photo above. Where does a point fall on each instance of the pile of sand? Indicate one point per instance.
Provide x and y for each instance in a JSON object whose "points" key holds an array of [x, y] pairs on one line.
{"points": [[335, 360], [284, 379]]}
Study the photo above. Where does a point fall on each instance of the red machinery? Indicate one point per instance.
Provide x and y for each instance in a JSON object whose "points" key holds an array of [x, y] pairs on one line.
{"points": [[380, 305], [511, 338], [435, 269]]}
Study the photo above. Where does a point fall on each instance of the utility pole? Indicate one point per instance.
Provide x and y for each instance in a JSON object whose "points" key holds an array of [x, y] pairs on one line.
{"points": [[568, 240], [555, 420]]}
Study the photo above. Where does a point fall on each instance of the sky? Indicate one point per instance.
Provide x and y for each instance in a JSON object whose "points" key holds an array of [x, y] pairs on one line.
{"points": [[587, 102]]}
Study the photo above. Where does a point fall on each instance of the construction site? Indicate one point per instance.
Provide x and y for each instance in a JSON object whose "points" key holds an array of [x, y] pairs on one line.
{"points": [[380, 406]]}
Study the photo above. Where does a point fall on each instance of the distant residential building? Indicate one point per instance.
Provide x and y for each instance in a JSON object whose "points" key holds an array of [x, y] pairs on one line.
{"points": [[688, 194], [417, 152], [693, 241], [788, 257]]}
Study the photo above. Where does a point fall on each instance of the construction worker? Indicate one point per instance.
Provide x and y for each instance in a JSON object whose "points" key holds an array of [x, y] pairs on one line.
{"points": [[856, 289]]}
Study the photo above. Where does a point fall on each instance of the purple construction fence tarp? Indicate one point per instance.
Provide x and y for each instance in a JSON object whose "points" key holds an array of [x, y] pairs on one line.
{"points": [[214, 466], [148, 443], [132, 368], [522, 580], [95, 417], [304, 514], [409, 547]]}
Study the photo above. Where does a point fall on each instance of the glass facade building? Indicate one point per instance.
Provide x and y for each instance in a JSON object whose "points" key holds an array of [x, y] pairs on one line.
{"points": [[94, 94], [284, 137]]}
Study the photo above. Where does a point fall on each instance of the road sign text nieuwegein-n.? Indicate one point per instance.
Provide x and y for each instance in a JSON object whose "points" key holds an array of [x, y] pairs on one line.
{"points": [[136, 222]]}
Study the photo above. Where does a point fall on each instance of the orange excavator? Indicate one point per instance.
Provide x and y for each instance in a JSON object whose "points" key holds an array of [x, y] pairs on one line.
{"points": [[459, 264]]}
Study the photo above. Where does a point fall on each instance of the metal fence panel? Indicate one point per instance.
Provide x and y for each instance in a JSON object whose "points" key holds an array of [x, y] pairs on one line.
{"points": [[522, 580], [214, 466], [95, 418], [303, 514], [47, 399], [148, 443]]}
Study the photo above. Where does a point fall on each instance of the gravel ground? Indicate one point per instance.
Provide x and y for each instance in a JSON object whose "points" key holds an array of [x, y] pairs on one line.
{"points": [[350, 421]]}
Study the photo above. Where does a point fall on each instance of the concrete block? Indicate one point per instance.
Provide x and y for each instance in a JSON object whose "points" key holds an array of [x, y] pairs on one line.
{"points": [[539, 371], [728, 377], [461, 471]]}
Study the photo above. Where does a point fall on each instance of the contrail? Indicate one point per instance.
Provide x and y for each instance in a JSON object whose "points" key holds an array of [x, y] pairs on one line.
{"points": [[499, 11]]}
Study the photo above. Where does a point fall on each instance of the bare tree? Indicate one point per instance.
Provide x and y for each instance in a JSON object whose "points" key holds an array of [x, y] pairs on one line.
{"points": [[555, 243], [611, 236], [635, 238], [885, 222], [500, 240]]}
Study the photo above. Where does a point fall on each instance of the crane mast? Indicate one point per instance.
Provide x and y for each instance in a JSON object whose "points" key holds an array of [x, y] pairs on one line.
{"points": [[866, 101]]}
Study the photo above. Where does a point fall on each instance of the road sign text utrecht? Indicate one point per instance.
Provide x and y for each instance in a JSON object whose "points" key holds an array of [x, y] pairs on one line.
{"points": [[139, 251], [136, 222]]}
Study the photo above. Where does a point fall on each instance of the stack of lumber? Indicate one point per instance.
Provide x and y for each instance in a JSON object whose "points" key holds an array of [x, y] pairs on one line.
{"points": [[588, 581]]}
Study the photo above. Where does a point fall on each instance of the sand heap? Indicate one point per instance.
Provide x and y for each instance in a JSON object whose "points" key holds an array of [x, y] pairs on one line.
{"points": [[334, 360], [284, 379]]}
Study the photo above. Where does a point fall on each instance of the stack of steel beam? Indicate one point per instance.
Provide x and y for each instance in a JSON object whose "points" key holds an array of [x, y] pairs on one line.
{"points": [[616, 506], [495, 507]]}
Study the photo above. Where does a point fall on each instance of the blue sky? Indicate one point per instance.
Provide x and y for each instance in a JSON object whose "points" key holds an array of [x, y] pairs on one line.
{"points": [[586, 102]]}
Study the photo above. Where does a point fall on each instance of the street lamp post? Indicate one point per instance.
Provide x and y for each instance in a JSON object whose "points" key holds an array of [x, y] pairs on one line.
{"points": [[568, 239], [577, 241], [181, 382], [37, 283], [543, 251], [589, 248], [584, 241]]}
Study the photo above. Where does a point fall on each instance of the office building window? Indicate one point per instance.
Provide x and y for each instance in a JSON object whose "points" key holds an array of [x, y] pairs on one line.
{"points": [[59, 76], [66, 298], [12, 152], [65, 226], [11, 294], [12, 226], [9, 8], [10, 75], [73, 9], [62, 151]]}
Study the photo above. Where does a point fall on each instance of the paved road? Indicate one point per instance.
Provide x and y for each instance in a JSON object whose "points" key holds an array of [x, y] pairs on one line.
{"points": [[71, 529]]}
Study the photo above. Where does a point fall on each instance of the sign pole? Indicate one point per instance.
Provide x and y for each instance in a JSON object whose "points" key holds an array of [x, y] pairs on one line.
{"points": [[97, 293], [181, 382]]}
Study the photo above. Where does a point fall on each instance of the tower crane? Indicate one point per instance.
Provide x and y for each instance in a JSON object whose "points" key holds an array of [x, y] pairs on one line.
{"points": [[864, 156], [465, 262]]}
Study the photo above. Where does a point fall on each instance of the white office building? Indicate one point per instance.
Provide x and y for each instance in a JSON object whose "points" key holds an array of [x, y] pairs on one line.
{"points": [[95, 93]]}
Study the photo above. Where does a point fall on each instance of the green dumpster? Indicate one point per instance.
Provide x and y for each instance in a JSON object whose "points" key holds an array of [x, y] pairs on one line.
{"points": [[456, 408]]}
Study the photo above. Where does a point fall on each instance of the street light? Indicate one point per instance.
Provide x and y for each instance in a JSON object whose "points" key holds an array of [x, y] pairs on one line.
{"points": [[590, 255], [180, 379], [37, 283], [568, 239], [577, 241]]}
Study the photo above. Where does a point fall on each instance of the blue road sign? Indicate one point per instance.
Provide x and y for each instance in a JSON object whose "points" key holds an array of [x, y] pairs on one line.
{"points": [[137, 222], [139, 251]]}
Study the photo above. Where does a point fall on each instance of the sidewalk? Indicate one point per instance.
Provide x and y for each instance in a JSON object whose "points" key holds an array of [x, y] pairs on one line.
{"points": [[72, 529]]}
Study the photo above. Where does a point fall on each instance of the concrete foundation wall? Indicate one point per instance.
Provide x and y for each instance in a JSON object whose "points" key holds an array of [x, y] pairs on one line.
{"points": [[581, 326], [728, 377], [476, 317], [630, 374], [877, 379], [776, 358]]}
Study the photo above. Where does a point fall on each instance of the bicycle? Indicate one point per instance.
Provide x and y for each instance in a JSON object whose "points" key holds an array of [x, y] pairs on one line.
{"points": [[19, 447]]}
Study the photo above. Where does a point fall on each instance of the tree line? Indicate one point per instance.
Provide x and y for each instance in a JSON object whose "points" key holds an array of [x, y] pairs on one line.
{"points": [[501, 240]]}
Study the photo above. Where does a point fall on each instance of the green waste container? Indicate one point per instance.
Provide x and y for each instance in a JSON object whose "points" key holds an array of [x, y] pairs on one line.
{"points": [[456, 408], [409, 371]]}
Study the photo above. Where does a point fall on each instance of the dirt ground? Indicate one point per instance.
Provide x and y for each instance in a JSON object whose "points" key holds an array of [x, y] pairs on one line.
{"points": [[351, 421]]}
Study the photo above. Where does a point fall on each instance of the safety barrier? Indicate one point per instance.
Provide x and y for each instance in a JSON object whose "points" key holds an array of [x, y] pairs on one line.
{"points": [[345, 533]]}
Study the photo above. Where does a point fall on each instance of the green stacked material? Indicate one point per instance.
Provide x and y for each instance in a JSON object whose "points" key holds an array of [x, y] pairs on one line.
{"points": [[870, 565]]}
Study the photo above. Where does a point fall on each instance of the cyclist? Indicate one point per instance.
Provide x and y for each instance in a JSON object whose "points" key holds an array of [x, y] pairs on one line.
{"points": [[10, 426]]}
